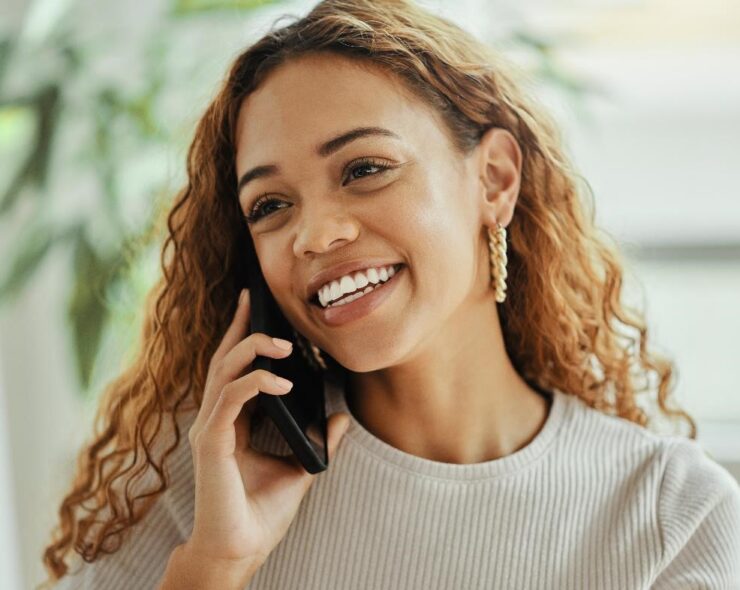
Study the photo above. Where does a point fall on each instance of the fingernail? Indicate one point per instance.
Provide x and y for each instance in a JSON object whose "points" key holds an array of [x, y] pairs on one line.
{"points": [[284, 344], [242, 297], [284, 383]]}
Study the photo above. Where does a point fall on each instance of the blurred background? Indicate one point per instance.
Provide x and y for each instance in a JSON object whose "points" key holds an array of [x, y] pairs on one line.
{"points": [[98, 102]]}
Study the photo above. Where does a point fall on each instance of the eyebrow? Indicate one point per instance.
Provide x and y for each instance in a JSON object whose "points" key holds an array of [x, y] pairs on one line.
{"points": [[323, 150]]}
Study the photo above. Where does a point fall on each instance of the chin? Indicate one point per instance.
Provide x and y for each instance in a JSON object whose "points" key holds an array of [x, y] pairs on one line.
{"points": [[366, 362]]}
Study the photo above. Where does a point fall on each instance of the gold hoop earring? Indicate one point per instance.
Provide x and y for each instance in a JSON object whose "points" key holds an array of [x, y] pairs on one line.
{"points": [[497, 246], [313, 356]]}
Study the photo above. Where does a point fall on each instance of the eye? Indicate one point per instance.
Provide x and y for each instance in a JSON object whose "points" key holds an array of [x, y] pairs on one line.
{"points": [[256, 213], [365, 163]]}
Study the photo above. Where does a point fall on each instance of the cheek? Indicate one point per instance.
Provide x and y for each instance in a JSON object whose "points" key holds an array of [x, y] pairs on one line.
{"points": [[441, 246], [429, 219], [276, 267]]}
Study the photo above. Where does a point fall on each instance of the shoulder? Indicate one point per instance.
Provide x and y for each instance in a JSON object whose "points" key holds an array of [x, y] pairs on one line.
{"points": [[678, 467], [607, 438], [699, 519], [689, 466], [695, 489], [692, 501], [682, 463]]}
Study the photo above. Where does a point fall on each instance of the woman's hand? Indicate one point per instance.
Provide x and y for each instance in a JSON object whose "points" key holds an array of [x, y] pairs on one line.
{"points": [[245, 500]]}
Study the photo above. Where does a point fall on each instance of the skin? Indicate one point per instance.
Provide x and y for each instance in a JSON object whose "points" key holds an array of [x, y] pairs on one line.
{"points": [[429, 371]]}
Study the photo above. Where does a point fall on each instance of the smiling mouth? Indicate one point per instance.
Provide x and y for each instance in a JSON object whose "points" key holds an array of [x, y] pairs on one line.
{"points": [[315, 299]]}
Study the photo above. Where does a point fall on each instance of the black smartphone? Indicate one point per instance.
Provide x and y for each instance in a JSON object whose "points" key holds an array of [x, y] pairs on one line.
{"points": [[300, 414]]}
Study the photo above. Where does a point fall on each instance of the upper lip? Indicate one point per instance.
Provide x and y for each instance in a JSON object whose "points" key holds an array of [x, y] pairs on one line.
{"points": [[334, 272]]}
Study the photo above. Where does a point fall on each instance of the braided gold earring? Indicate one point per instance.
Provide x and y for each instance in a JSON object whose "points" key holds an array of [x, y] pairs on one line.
{"points": [[317, 356], [497, 245], [313, 356]]}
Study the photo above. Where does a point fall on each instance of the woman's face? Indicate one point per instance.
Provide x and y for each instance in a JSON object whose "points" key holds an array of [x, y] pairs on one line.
{"points": [[324, 209]]}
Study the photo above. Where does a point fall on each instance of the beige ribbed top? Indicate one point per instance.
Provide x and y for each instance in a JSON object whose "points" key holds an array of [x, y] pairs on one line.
{"points": [[593, 501]]}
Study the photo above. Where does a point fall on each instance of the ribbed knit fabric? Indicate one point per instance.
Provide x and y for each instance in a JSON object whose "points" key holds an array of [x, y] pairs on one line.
{"points": [[593, 501]]}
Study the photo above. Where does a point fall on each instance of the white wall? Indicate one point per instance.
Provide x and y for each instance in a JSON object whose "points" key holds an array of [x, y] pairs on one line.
{"points": [[10, 550], [46, 418]]}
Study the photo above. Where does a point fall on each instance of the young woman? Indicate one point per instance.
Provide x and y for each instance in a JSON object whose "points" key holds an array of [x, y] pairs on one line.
{"points": [[491, 431]]}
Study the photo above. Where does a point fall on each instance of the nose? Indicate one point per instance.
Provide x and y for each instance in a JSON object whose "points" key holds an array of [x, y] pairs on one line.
{"points": [[322, 228]]}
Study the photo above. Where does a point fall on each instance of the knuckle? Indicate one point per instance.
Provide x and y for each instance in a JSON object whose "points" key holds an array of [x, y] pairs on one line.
{"points": [[212, 374], [227, 390], [215, 360], [265, 377], [219, 367], [260, 339]]}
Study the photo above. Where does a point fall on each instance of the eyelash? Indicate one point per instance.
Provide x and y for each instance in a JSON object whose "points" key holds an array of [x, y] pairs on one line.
{"points": [[253, 216]]}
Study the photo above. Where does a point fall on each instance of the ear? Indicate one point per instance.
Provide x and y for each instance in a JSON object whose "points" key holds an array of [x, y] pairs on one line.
{"points": [[499, 168]]}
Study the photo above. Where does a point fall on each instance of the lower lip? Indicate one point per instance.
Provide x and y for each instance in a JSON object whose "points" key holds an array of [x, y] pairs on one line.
{"points": [[342, 314]]}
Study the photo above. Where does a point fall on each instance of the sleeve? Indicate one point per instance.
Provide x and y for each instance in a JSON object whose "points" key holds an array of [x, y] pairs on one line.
{"points": [[699, 522], [139, 562], [141, 558]]}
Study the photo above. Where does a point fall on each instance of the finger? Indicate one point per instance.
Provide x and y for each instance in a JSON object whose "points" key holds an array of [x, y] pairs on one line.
{"points": [[238, 328], [244, 424], [231, 367], [245, 351], [218, 437]]}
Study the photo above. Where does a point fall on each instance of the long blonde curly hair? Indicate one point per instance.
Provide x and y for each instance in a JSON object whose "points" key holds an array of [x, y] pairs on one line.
{"points": [[564, 323]]}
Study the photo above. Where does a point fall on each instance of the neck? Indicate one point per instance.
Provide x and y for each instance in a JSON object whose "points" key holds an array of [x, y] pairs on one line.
{"points": [[457, 399]]}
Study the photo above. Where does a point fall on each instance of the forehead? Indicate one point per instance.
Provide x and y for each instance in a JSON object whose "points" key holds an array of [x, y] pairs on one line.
{"points": [[311, 98]]}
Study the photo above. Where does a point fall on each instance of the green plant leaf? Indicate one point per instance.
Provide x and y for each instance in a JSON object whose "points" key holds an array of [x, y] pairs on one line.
{"points": [[86, 309], [192, 7], [35, 168]]}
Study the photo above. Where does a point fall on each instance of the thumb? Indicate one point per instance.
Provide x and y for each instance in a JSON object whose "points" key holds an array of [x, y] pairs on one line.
{"points": [[337, 427]]}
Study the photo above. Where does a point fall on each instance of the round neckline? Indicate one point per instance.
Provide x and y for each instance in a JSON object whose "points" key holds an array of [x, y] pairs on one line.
{"points": [[510, 464]]}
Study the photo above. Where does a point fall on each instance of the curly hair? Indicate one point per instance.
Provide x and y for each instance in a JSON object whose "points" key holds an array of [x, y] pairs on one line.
{"points": [[564, 323]]}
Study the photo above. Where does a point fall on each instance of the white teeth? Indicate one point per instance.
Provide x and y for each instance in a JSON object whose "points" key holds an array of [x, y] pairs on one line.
{"points": [[336, 290], [349, 283], [354, 296], [360, 280]]}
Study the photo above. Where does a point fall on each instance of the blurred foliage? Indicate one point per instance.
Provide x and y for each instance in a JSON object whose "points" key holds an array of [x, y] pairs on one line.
{"points": [[74, 124], [191, 7]]}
